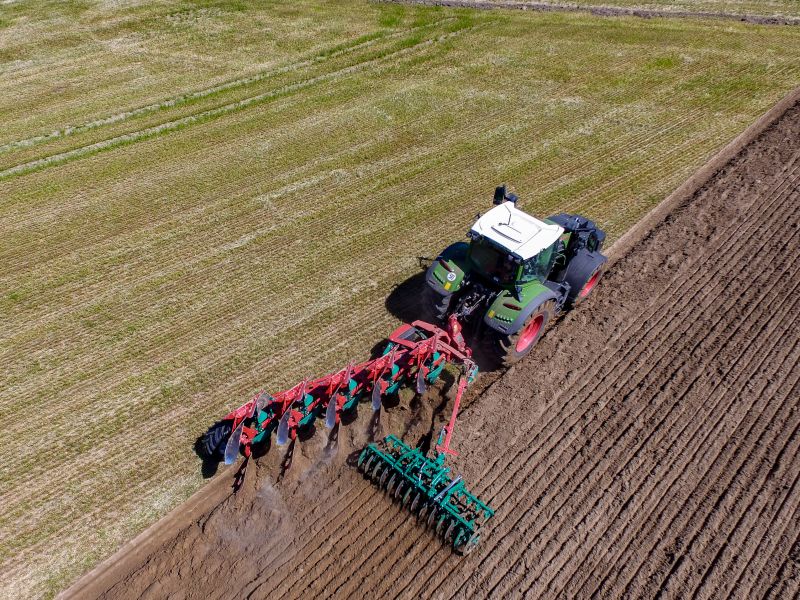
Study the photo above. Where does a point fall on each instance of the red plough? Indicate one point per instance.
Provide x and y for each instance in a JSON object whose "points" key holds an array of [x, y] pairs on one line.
{"points": [[419, 351]]}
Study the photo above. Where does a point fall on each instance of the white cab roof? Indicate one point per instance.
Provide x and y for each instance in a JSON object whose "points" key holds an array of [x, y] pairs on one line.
{"points": [[517, 232]]}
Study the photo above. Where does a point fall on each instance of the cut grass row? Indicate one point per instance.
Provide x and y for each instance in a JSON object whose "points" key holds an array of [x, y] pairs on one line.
{"points": [[152, 286]]}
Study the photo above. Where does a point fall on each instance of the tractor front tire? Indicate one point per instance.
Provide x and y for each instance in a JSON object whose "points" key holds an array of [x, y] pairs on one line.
{"points": [[212, 444], [511, 348]]}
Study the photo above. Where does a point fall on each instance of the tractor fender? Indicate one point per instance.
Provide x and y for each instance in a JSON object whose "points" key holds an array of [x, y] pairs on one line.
{"points": [[446, 273], [507, 320]]}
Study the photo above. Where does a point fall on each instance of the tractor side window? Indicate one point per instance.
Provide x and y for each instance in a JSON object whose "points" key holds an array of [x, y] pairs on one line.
{"points": [[539, 266]]}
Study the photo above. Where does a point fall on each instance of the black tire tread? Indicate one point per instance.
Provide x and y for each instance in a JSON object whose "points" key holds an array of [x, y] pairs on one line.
{"points": [[214, 440]]}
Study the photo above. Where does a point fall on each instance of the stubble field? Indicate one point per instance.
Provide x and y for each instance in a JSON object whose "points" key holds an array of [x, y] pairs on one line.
{"points": [[201, 199]]}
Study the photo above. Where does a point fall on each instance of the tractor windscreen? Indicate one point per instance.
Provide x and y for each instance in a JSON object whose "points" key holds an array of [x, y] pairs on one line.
{"points": [[492, 262], [539, 266]]}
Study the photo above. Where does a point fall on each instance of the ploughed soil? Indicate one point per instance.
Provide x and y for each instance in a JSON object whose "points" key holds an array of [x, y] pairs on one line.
{"points": [[647, 447]]}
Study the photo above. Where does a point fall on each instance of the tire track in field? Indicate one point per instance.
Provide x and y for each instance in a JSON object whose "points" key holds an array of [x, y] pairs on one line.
{"points": [[320, 56], [214, 113]]}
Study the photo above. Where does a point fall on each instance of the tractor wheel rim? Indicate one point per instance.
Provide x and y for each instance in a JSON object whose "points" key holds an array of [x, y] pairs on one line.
{"points": [[529, 334], [590, 284]]}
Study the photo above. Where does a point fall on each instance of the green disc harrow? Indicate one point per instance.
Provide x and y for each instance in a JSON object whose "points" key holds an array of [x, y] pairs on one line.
{"points": [[427, 487]]}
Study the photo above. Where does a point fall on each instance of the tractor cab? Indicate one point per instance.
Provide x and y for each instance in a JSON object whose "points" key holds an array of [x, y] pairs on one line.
{"points": [[514, 273], [510, 247]]}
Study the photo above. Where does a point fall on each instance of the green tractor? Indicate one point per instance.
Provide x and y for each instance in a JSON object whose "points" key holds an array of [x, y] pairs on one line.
{"points": [[515, 274]]}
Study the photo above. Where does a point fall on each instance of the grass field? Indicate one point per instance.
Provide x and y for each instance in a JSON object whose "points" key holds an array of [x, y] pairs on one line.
{"points": [[198, 199]]}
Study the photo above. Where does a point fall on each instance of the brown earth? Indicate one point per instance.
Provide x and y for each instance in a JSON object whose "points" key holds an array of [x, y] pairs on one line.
{"points": [[648, 447]]}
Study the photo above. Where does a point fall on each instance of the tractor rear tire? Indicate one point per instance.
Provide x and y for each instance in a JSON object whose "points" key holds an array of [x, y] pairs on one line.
{"points": [[212, 445], [511, 348], [583, 274]]}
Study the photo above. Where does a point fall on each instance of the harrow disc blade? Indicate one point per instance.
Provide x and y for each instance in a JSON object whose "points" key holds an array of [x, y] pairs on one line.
{"points": [[390, 485], [458, 541], [414, 503], [423, 512], [368, 464], [432, 516], [330, 414], [399, 489], [283, 429], [232, 447], [469, 545], [376, 396], [443, 525], [449, 531]]}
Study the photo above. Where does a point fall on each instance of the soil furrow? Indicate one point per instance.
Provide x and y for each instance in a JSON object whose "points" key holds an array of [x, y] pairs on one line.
{"points": [[637, 443], [769, 516], [510, 486]]}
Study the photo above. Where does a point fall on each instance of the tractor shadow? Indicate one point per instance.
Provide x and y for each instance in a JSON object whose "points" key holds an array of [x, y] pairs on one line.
{"points": [[209, 465], [406, 300]]}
